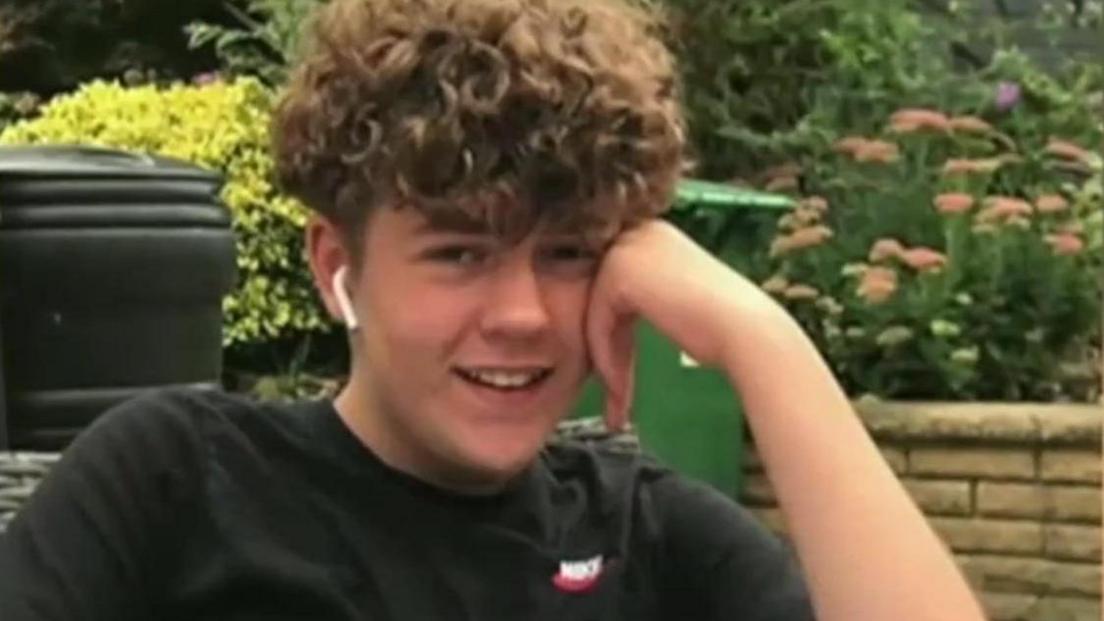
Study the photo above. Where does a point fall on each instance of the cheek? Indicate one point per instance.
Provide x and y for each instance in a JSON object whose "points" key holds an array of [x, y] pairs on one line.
{"points": [[567, 307], [422, 323]]}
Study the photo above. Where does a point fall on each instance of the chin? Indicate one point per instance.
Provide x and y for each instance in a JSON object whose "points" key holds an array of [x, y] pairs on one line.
{"points": [[500, 457]]}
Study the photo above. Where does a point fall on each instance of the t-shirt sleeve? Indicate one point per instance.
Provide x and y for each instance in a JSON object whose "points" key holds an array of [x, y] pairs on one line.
{"points": [[88, 544], [719, 563]]}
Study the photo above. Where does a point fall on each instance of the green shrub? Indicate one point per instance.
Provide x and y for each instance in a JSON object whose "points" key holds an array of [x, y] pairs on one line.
{"points": [[944, 258], [264, 40], [765, 79], [49, 46], [223, 127]]}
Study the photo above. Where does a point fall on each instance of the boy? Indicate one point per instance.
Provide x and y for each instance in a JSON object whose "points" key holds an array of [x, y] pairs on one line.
{"points": [[486, 176]]}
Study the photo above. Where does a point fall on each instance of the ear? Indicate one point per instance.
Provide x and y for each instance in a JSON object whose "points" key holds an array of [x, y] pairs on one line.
{"points": [[326, 253]]}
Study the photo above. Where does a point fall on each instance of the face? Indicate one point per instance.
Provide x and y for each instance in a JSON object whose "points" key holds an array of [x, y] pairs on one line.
{"points": [[470, 350]]}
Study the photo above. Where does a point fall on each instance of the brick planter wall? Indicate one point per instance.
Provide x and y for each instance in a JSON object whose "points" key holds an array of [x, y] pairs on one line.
{"points": [[1013, 489]]}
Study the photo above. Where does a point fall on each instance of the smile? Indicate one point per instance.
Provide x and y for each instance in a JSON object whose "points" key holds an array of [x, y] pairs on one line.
{"points": [[504, 379]]}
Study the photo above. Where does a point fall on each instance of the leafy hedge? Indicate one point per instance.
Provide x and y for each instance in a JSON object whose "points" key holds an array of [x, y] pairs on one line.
{"points": [[943, 258], [223, 127], [965, 305]]}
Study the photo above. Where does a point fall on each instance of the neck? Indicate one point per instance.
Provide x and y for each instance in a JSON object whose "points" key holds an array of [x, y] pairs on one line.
{"points": [[361, 413]]}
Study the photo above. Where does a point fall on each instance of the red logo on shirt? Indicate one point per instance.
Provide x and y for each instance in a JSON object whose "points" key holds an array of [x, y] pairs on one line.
{"points": [[578, 576]]}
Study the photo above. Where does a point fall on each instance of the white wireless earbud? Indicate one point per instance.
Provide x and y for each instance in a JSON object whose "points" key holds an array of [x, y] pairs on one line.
{"points": [[343, 303]]}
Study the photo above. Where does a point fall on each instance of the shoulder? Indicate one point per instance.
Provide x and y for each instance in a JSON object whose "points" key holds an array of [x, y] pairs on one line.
{"points": [[176, 414], [177, 430], [704, 524]]}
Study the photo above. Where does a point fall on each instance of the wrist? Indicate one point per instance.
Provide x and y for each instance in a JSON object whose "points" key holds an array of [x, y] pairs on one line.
{"points": [[760, 333]]}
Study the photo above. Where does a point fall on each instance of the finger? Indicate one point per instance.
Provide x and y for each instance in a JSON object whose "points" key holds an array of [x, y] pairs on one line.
{"points": [[609, 340], [618, 416]]}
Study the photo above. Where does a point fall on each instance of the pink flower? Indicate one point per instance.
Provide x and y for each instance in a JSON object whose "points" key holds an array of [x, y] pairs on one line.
{"points": [[885, 248], [877, 285], [1007, 96], [775, 284], [789, 169], [1065, 244], [970, 167], [779, 184], [801, 238], [877, 151], [805, 216], [970, 124], [801, 292], [923, 259], [1004, 208], [1051, 203], [953, 202], [816, 203], [849, 144], [204, 79], [1067, 150], [1071, 228], [918, 119]]}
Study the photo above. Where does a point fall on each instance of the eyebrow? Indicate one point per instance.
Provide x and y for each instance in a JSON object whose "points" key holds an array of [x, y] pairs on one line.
{"points": [[460, 224]]}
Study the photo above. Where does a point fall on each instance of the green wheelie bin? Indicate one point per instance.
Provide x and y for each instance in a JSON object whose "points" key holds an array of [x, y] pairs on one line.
{"points": [[684, 414]]}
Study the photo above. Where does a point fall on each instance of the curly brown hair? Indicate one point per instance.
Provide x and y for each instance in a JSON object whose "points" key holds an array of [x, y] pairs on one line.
{"points": [[507, 112]]}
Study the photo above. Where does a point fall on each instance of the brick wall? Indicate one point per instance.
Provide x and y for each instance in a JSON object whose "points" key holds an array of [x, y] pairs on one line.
{"points": [[1014, 490]]}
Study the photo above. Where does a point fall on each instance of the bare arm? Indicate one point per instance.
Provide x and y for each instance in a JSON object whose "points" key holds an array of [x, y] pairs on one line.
{"points": [[865, 548]]}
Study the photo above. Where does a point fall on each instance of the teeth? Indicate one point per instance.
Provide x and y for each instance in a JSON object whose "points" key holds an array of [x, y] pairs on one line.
{"points": [[504, 379]]}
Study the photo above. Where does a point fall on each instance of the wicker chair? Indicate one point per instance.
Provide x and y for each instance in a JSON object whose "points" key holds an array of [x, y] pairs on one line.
{"points": [[20, 473]]}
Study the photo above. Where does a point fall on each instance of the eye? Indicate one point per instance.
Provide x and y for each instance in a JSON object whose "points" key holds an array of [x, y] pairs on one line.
{"points": [[457, 255], [570, 256], [569, 252]]}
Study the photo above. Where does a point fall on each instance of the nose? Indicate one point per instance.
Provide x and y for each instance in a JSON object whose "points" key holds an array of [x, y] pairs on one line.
{"points": [[515, 306]]}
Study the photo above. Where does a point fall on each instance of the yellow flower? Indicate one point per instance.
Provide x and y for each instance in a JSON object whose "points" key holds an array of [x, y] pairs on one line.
{"points": [[893, 335]]}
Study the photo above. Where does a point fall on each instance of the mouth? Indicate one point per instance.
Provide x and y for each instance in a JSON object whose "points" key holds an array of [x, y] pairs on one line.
{"points": [[504, 379]]}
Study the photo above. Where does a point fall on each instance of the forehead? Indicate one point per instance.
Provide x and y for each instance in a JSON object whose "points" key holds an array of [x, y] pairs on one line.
{"points": [[502, 224]]}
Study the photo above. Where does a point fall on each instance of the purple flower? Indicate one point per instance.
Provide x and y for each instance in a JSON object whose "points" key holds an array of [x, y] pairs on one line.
{"points": [[1007, 96], [205, 79]]}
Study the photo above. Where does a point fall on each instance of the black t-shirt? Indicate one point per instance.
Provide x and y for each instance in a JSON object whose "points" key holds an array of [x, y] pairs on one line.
{"points": [[201, 506]]}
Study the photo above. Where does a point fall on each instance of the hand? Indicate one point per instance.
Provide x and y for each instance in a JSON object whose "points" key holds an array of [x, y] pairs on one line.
{"points": [[656, 272]]}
